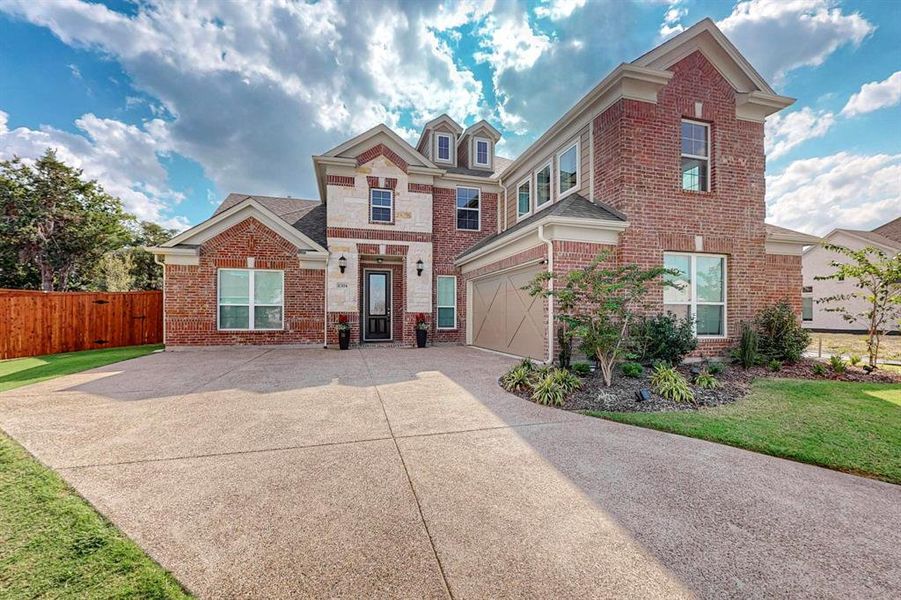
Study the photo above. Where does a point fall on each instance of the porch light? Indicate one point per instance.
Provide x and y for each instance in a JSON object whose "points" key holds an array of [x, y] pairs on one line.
{"points": [[342, 263], [419, 267]]}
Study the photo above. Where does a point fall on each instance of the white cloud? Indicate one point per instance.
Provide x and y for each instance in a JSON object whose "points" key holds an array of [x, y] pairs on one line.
{"points": [[124, 159], [557, 9], [875, 95], [510, 42], [672, 20], [252, 90], [846, 190], [784, 131], [778, 36]]}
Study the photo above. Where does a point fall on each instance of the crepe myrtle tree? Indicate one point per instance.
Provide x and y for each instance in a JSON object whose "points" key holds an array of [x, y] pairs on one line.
{"points": [[599, 302], [877, 277]]}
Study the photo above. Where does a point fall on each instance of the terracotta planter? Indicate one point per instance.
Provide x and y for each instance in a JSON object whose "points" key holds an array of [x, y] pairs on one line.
{"points": [[422, 336], [344, 339]]}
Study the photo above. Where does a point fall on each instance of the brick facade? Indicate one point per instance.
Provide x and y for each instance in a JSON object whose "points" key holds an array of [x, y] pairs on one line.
{"points": [[191, 294], [448, 243]]}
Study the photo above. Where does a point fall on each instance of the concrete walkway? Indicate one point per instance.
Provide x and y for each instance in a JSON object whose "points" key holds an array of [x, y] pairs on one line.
{"points": [[410, 474]]}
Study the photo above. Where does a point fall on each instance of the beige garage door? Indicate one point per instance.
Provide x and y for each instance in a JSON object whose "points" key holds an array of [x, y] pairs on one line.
{"points": [[505, 318]]}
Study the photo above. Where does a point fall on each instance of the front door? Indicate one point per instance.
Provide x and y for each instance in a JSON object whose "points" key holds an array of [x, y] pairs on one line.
{"points": [[377, 306]]}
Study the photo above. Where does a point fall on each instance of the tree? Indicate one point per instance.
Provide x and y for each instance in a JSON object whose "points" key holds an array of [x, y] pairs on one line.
{"points": [[114, 272], [55, 223], [878, 279], [146, 274], [598, 303]]}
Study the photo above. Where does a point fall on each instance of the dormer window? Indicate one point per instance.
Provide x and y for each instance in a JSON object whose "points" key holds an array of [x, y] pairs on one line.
{"points": [[443, 145], [482, 152]]}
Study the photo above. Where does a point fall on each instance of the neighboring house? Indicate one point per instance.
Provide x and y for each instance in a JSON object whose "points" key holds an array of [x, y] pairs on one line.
{"points": [[661, 163], [817, 262]]}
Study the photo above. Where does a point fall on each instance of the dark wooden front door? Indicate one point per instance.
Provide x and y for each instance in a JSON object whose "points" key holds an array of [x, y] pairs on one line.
{"points": [[377, 306]]}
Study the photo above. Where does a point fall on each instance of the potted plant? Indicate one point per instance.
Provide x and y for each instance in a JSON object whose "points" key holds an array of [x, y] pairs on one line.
{"points": [[343, 328], [422, 330]]}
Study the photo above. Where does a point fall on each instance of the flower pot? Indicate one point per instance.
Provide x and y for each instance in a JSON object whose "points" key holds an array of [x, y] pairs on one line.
{"points": [[344, 339], [422, 336]]}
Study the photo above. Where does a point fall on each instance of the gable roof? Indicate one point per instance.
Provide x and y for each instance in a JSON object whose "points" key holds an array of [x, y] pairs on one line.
{"points": [[781, 234], [371, 137], [698, 37], [301, 222], [493, 133], [870, 237], [891, 230], [573, 206], [442, 118], [500, 163]]}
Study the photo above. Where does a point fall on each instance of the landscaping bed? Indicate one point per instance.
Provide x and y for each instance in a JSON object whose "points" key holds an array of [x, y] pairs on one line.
{"points": [[734, 383]]}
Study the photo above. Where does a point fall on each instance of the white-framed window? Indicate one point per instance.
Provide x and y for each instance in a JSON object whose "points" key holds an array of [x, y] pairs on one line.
{"points": [[381, 205], [700, 291], [524, 198], [250, 299], [543, 186], [807, 308], [568, 170], [482, 152], [447, 301], [468, 208], [444, 144], [695, 156]]}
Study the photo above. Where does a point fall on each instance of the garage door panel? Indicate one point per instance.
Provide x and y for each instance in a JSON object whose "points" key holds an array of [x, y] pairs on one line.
{"points": [[505, 317]]}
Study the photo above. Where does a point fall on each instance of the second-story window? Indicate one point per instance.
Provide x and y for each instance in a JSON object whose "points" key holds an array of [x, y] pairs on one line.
{"points": [[444, 147], [468, 208], [568, 170], [381, 206], [482, 150], [523, 199], [543, 186], [695, 156]]}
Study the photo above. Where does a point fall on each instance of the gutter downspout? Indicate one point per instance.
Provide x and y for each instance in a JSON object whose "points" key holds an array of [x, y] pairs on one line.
{"points": [[325, 305], [156, 259], [502, 209], [550, 299]]}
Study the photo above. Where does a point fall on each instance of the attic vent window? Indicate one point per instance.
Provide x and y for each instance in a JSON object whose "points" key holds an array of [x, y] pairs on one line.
{"points": [[444, 147]]}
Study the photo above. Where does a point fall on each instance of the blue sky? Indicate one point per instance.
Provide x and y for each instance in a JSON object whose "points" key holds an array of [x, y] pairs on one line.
{"points": [[172, 105]]}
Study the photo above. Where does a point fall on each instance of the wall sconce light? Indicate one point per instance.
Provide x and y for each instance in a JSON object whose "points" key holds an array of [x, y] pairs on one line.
{"points": [[342, 263], [419, 267]]}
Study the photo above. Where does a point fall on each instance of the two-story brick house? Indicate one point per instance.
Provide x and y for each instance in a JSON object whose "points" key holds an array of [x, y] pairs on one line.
{"points": [[661, 163]]}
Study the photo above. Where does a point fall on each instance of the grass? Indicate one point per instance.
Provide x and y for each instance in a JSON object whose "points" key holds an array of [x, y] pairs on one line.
{"points": [[17, 372], [854, 343], [53, 544], [851, 427]]}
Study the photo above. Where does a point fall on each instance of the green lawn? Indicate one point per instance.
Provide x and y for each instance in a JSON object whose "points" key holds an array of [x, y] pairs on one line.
{"points": [[854, 343], [53, 544], [25, 371], [851, 427]]}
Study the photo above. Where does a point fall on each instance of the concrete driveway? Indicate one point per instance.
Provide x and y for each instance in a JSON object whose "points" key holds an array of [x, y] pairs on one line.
{"points": [[410, 474]]}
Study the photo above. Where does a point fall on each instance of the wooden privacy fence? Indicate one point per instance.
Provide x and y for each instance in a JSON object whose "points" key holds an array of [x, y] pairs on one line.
{"points": [[34, 323]]}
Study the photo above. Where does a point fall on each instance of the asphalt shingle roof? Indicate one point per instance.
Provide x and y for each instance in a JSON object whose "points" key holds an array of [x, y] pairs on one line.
{"points": [[575, 206], [307, 216]]}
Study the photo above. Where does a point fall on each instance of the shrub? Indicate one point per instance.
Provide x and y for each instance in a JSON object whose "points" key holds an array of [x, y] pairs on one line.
{"points": [[837, 364], [706, 380], [670, 384], [517, 379], [854, 359], [542, 371], [527, 364], [819, 369], [746, 353], [774, 365], [780, 333], [547, 391], [566, 380], [631, 369], [663, 337], [581, 369], [715, 368]]}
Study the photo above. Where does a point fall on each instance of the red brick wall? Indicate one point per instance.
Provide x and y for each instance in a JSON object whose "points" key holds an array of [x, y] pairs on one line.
{"points": [[191, 296], [637, 170], [447, 243], [784, 274]]}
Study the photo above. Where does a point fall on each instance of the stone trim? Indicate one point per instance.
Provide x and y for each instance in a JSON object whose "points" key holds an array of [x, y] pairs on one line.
{"points": [[378, 234]]}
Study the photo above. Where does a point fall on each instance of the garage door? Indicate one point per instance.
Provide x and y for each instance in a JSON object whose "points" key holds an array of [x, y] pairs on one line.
{"points": [[505, 318]]}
